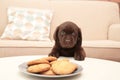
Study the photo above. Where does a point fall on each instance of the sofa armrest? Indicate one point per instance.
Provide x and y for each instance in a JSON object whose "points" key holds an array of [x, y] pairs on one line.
{"points": [[114, 32]]}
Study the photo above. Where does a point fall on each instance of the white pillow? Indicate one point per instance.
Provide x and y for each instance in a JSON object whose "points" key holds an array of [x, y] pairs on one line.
{"points": [[28, 24]]}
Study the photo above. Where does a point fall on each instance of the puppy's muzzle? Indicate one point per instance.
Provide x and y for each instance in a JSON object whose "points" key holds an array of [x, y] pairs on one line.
{"points": [[67, 40]]}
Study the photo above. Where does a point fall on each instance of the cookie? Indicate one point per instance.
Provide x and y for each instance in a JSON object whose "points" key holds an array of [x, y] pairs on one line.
{"points": [[63, 67], [38, 61], [64, 59], [38, 68], [49, 72], [51, 58]]}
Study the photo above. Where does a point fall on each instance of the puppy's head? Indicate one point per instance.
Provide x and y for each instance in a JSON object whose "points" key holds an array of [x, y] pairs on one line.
{"points": [[67, 35]]}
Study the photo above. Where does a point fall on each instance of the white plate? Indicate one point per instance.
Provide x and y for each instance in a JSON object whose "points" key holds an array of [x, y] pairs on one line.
{"points": [[23, 68]]}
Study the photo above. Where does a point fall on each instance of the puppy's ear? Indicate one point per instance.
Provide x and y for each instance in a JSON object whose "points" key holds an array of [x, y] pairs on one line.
{"points": [[55, 36], [79, 37]]}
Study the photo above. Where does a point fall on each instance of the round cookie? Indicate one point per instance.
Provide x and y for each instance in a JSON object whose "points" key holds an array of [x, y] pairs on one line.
{"points": [[38, 68], [49, 72], [51, 58], [63, 67], [38, 61], [64, 59]]}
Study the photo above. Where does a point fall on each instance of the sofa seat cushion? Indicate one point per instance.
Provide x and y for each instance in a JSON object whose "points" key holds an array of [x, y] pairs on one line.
{"points": [[23, 43], [101, 44]]}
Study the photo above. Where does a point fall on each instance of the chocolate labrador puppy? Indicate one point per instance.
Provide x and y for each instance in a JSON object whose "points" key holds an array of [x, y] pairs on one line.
{"points": [[68, 40]]}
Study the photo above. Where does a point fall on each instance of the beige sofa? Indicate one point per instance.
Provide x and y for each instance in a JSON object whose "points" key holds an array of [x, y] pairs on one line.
{"points": [[98, 20]]}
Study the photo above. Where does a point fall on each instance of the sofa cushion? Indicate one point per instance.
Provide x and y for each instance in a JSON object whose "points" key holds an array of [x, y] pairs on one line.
{"points": [[28, 24], [101, 44], [95, 43], [93, 17], [23, 44]]}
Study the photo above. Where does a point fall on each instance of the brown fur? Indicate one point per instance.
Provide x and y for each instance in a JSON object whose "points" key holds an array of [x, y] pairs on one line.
{"points": [[68, 40]]}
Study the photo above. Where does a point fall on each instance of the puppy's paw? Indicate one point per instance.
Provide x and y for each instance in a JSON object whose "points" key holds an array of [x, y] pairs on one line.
{"points": [[54, 55], [79, 57]]}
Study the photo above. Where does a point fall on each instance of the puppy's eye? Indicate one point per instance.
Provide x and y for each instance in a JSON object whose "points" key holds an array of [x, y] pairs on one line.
{"points": [[63, 33], [73, 33]]}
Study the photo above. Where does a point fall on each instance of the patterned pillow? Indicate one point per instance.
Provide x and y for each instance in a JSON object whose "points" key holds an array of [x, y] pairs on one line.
{"points": [[28, 24]]}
